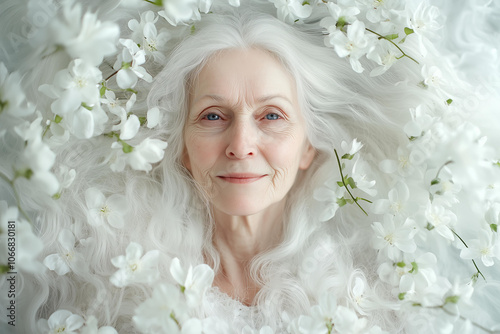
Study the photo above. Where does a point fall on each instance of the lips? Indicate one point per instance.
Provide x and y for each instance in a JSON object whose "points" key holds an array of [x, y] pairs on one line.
{"points": [[241, 178]]}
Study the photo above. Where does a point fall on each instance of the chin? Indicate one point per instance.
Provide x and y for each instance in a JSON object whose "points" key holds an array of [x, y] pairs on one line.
{"points": [[240, 207]]}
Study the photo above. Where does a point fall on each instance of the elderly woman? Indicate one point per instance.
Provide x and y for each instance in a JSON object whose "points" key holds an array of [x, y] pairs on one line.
{"points": [[253, 112]]}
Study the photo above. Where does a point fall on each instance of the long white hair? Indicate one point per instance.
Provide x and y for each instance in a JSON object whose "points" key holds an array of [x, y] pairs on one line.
{"points": [[167, 212]]}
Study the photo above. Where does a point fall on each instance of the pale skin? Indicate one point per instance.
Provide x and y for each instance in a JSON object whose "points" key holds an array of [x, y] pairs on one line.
{"points": [[245, 143]]}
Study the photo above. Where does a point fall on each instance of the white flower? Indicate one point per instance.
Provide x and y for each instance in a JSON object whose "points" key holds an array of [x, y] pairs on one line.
{"points": [[83, 36], [359, 295], [234, 3], [128, 64], [194, 282], [146, 35], [351, 149], [380, 10], [153, 116], [398, 202], [486, 247], [329, 196], [394, 237], [141, 157], [67, 259], [421, 121], [405, 164], [360, 174], [13, 104], [441, 219], [155, 314], [292, 10], [28, 245], [77, 84], [37, 159], [135, 268], [384, 54], [346, 321], [433, 76], [423, 20], [129, 123], [342, 12], [91, 327], [102, 209], [184, 11], [421, 275], [352, 45], [61, 322]]}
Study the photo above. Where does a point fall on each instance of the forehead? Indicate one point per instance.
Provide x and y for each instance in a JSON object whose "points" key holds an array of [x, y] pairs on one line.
{"points": [[251, 73]]}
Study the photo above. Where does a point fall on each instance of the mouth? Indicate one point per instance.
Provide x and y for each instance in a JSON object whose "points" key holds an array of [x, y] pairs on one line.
{"points": [[241, 178]]}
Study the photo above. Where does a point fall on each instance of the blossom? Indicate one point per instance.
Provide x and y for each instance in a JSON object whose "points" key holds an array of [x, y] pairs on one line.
{"points": [[141, 157], [13, 103], [61, 321], [359, 295], [128, 64], [184, 11], [486, 247], [73, 86], [28, 245], [102, 209], [421, 275], [399, 201], [350, 149], [135, 268], [380, 10], [91, 327], [146, 35], [153, 116], [441, 220], [129, 123], [421, 121], [423, 21], [76, 94], [383, 54], [341, 13], [394, 237], [330, 195], [360, 174], [433, 76], [67, 258], [82, 36], [35, 163], [352, 45], [155, 314], [292, 10], [194, 282]]}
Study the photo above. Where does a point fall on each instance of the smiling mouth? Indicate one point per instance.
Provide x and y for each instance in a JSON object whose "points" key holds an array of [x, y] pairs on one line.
{"points": [[241, 178]]}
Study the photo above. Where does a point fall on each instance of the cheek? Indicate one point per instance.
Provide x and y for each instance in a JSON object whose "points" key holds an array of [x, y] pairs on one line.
{"points": [[199, 154]]}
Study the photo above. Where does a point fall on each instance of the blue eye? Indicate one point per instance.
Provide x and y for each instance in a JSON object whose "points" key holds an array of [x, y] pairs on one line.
{"points": [[212, 117], [272, 116]]}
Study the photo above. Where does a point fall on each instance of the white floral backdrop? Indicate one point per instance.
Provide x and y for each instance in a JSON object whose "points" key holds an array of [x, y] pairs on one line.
{"points": [[446, 177]]}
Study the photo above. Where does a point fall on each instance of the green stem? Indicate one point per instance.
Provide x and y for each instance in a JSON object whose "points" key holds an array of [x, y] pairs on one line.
{"points": [[16, 196], [474, 262], [345, 185], [383, 37]]}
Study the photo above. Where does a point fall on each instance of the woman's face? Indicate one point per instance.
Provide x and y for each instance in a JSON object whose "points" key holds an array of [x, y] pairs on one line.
{"points": [[245, 135]]}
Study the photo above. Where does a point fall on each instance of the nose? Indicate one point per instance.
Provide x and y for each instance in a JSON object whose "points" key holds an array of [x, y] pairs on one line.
{"points": [[242, 141]]}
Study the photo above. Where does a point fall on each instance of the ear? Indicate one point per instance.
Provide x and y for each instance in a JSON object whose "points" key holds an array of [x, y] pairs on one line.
{"points": [[307, 157]]}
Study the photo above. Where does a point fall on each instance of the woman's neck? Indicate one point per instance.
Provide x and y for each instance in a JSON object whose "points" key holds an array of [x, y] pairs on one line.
{"points": [[239, 239]]}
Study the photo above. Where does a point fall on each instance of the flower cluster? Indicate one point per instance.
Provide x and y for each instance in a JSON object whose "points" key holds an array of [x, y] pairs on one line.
{"points": [[440, 212]]}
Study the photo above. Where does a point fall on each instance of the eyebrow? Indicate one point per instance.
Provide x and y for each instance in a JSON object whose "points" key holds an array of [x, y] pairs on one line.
{"points": [[265, 98]]}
